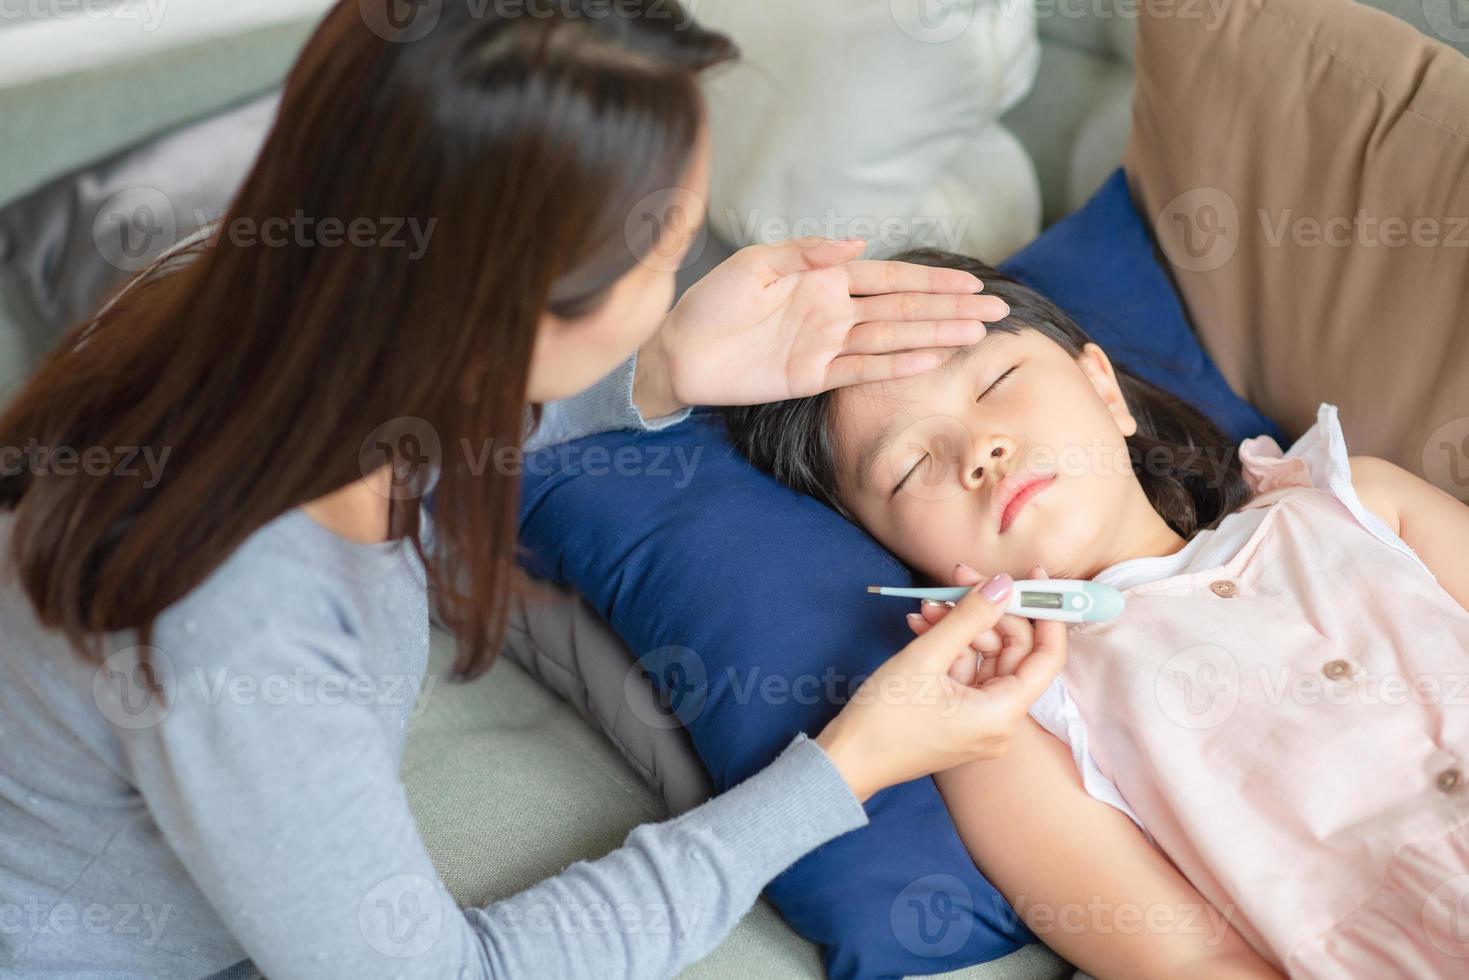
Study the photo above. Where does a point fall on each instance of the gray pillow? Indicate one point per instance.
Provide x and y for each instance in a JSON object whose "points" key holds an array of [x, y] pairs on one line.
{"points": [[65, 246], [561, 641]]}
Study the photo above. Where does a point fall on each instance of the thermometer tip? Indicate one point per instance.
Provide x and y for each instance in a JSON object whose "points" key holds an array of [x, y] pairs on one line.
{"points": [[875, 589]]}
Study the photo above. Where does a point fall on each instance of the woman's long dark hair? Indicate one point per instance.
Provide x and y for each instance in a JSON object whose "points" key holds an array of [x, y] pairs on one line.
{"points": [[1187, 466], [521, 143]]}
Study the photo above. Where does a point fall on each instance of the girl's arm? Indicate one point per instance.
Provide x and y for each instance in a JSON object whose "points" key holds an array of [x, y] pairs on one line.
{"points": [[1080, 873], [1433, 524]]}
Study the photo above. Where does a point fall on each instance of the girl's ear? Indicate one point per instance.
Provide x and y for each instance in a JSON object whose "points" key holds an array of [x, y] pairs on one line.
{"points": [[1098, 370]]}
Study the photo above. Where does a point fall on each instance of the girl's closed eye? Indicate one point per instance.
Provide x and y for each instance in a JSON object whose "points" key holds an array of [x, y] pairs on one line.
{"points": [[996, 383], [909, 475]]}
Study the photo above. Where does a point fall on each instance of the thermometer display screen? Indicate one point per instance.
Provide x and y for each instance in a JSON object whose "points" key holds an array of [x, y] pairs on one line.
{"points": [[1040, 600]]}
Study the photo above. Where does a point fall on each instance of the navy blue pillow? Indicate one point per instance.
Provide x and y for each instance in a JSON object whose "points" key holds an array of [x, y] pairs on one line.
{"points": [[746, 604]]}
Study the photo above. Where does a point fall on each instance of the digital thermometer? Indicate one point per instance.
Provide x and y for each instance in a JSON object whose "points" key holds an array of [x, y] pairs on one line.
{"points": [[1064, 600]]}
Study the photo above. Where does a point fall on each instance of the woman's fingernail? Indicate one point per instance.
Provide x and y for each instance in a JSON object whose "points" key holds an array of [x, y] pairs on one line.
{"points": [[997, 588], [1039, 572], [929, 604], [961, 569], [915, 620]]}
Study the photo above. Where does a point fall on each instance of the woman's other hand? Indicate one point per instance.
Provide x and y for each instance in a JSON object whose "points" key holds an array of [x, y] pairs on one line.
{"points": [[800, 317], [917, 715], [997, 651]]}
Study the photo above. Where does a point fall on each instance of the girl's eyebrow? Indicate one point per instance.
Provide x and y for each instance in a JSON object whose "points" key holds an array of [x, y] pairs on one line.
{"points": [[867, 458], [874, 449]]}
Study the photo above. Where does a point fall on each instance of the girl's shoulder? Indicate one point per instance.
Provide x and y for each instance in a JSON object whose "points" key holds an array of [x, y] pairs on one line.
{"points": [[1317, 460]]}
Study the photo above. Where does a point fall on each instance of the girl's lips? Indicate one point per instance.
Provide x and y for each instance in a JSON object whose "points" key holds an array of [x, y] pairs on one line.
{"points": [[1021, 497]]}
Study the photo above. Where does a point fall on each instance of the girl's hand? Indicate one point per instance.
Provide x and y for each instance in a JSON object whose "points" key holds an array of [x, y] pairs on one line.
{"points": [[798, 318], [912, 718], [996, 651]]}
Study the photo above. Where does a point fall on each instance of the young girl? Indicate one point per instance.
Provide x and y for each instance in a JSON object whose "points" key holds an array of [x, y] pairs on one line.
{"points": [[1281, 709]]}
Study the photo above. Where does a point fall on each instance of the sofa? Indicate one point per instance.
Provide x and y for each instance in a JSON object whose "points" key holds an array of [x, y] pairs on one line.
{"points": [[511, 777]]}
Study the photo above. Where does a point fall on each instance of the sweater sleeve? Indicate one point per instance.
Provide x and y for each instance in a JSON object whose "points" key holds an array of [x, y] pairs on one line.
{"points": [[291, 820], [675, 890], [606, 406]]}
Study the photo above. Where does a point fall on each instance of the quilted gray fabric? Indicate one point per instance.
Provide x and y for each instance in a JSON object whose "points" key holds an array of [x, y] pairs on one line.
{"points": [[557, 638], [67, 245]]}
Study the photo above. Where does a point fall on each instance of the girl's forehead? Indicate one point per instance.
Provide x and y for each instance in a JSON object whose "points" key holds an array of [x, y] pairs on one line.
{"points": [[865, 417], [889, 394]]}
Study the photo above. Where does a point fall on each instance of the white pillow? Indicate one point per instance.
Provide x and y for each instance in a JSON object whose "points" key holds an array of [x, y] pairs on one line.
{"points": [[874, 119]]}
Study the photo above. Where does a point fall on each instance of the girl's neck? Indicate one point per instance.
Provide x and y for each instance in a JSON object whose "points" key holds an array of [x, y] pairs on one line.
{"points": [[1144, 535], [1159, 539]]}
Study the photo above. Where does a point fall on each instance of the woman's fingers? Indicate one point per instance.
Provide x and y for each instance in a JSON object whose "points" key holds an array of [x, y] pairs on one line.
{"points": [[987, 644], [932, 611], [1017, 638], [887, 336], [969, 667], [965, 669], [1047, 657], [912, 307], [1048, 647], [778, 259], [856, 369], [964, 575], [871, 278], [1027, 668], [972, 615], [1035, 671]]}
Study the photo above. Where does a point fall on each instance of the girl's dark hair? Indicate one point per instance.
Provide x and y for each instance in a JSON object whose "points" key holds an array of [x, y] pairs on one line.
{"points": [[522, 144], [1187, 466]]}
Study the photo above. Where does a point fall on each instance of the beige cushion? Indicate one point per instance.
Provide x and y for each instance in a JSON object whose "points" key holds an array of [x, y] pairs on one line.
{"points": [[875, 119], [1260, 147]]}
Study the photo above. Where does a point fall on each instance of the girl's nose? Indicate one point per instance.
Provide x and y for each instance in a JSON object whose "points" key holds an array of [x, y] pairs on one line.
{"points": [[997, 452]]}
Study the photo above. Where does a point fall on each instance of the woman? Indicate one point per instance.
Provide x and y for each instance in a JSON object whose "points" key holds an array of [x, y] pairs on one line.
{"points": [[201, 688]]}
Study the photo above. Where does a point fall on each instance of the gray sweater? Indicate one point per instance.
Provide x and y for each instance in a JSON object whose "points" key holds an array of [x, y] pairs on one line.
{"points": [[256, 813]]}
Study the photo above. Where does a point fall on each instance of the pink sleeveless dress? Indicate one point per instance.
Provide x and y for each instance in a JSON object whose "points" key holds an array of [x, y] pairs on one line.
{"points": [[1292, 728]]}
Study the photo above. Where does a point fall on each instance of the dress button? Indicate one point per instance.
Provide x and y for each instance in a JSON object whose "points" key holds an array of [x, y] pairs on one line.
{"points": [[1224, 589], [1336, 669], [1449, 780]]}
